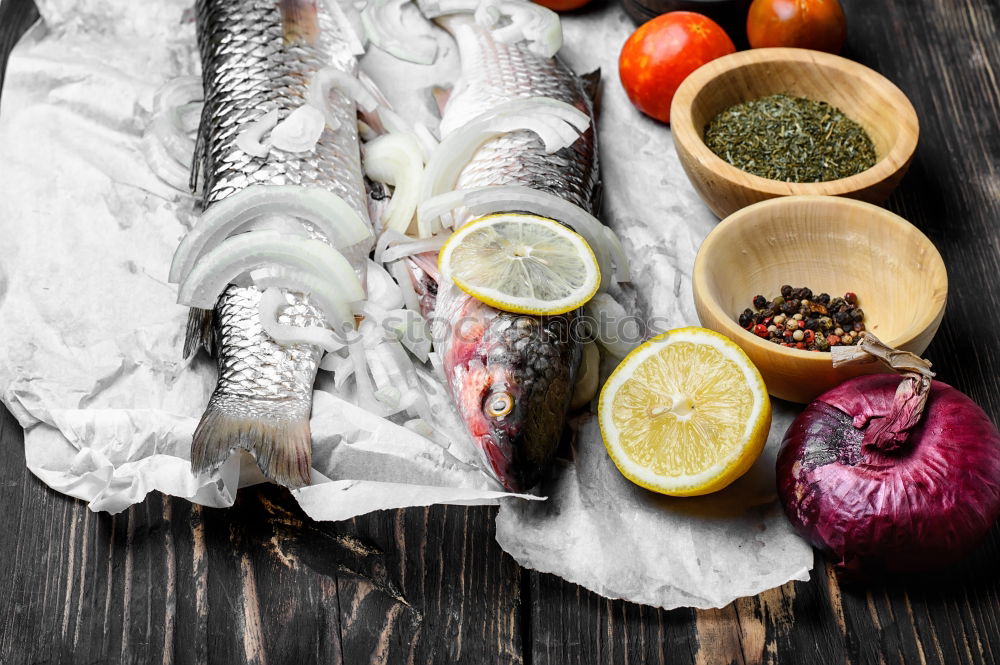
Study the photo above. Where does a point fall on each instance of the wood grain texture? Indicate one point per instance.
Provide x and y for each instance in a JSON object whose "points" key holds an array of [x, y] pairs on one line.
{"points": [[168, 582]]}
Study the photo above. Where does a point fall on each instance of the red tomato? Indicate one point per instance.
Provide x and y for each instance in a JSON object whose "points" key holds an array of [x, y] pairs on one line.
{"points": [[815, 24], [562, 5], [662, 52]]}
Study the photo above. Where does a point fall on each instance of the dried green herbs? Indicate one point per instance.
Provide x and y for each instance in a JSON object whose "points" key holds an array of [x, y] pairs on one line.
{"points": [[791, 139]]}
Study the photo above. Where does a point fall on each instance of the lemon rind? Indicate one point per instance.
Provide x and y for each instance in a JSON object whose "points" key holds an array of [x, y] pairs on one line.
{"points": [[494, 297], [719, 475]]}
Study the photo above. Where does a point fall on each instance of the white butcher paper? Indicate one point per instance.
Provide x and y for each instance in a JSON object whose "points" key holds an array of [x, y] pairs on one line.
{"points": [[91, 363]]}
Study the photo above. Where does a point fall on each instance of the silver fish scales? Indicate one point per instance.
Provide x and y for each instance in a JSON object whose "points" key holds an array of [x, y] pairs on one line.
{"points": [[512, 375], [259, 56]]}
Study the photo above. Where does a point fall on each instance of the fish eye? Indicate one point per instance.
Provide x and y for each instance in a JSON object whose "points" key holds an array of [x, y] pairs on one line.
{"points": [[499, 404]]}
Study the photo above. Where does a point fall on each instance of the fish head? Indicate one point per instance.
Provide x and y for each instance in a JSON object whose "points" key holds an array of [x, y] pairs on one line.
{"points": [[512, 376]]}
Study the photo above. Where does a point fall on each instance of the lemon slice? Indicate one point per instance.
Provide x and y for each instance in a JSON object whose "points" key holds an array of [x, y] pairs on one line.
{"points": [[521, 263], [686, 413]]}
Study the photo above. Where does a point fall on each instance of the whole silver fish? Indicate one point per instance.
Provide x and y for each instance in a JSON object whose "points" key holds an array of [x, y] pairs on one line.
{"points": [[258, 56], [512, 375]]}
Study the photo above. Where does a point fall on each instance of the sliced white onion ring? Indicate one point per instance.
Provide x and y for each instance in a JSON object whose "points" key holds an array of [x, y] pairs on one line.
{"points": [[177, 92], [332, 78], [383, 292], [250, 139], [411, 330], [272, 301], [266, 250], [615, 330], [300, 130], [163, 165], [509, 20], [383, 24], [401, 274], [337, 220], [397, 252], [396, 159], [509, 198], [558, 125], [330, 297], [387, 239]]}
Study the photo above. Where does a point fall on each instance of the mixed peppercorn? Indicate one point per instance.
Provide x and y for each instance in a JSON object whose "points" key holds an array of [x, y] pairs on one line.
{"points": [[801, 320]]}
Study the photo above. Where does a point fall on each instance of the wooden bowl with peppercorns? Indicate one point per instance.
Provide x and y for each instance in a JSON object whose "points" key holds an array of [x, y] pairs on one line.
{"points": [[865, 97], [831, 245]]}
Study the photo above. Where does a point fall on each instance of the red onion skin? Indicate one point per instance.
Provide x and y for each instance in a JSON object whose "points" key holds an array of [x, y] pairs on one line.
{"points": [[920, 507]]}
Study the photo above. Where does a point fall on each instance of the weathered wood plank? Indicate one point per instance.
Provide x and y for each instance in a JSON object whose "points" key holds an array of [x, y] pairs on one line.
{"points": [[945, 54], [174, 583], [260, 583]]}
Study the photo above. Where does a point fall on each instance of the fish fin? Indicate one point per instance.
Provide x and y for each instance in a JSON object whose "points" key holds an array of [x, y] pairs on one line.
{"points": [[199, 331], [199, 155], [299, 21], [424, 277], [592, 84], [278, 438]]}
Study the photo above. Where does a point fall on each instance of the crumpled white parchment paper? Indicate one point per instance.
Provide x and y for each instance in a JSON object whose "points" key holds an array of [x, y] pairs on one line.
{"points": [[91, 360]]}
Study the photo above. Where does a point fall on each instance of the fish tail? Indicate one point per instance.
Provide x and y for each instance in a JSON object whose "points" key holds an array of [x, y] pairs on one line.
{"points": [[300, 21], [278, 437]]}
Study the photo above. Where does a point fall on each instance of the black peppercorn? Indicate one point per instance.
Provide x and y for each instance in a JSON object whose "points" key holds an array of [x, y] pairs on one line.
{"points": [[812, 317]]}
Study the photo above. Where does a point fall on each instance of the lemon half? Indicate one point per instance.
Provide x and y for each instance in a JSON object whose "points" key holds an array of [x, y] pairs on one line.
{"points": [[686, 413], [521, 263]]}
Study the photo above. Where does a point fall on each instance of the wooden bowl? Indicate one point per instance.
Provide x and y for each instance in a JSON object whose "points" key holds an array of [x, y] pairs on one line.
{"points": [[832, 245], [865, 96]]}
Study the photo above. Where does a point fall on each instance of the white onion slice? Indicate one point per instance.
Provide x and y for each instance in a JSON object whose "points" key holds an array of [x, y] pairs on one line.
{"points": [[396, 159], [615, 330], [386, 239], [331, 78], [510, 198], [337, 220], [272, 301], [250, 139], [439, 207], [401, 274], [266, 249], [177, 92], [334, 299], [587, 377], [383, 24], [341, 365], [174, 139], [539, 115], [539, 26], [411, 330], [397, 252], [300, 130], [383, 292], [163, 165]]}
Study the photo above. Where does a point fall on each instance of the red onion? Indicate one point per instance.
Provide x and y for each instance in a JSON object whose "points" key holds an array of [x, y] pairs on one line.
{"points": [[888, 473]]}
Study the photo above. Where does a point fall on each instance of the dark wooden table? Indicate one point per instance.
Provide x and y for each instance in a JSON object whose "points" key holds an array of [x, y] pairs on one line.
{"points": [[169, 582]]}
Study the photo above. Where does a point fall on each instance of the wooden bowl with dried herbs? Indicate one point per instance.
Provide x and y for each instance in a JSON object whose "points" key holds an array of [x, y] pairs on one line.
{"points": [[878, 271], [772, 122]]}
